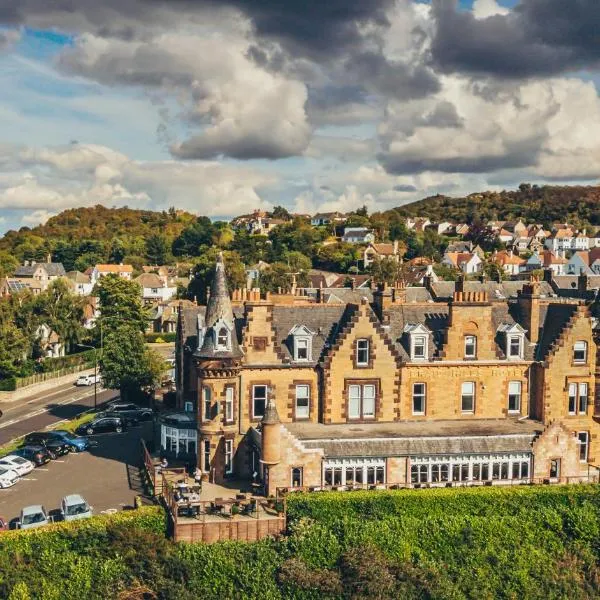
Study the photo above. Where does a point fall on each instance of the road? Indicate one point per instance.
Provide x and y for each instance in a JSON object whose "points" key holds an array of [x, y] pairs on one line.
{"points": [[45, 408]]}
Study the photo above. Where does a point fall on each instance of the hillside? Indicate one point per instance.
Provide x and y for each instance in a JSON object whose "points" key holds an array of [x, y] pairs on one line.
{"points": [[576, 204], [99, 234]]}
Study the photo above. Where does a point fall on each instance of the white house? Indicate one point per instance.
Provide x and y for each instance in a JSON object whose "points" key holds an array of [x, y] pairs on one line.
{"points": [[124, 271], [82, 283], [377, 251], [467, 262], [327, 218], [510, 263], [358, 235], [155, 287], [567, 239]]}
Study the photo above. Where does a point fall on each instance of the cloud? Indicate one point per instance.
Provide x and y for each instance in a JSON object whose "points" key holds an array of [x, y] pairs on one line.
{"points": [[537, 38], [81, 175], [482, 9], [37, 217], [8, 38]]}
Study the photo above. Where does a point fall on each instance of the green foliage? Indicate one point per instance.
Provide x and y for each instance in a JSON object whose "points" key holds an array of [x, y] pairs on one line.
{"points": [[157, 249], [152, 338], [338, 257], [385, 270], [194, 238], [204, 271], [120, 301]]}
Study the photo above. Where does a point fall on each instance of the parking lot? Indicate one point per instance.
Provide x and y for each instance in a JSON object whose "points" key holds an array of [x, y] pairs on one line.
{"points": [[107, 476]]}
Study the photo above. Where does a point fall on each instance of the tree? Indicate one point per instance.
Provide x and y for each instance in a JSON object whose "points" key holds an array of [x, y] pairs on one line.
{"points": [[204, 270], [193, 237], [337, 257], [297, 262], [8, 263], [252, 247], [62, 311], [385, 270], [278, 275], [117, 251], [127, 364], [157, 249], [120, 301], [87, 260], [279, 212]]}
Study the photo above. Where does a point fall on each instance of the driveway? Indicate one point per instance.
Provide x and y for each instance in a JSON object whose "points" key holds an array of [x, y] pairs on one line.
{"points": [[107, 476]]}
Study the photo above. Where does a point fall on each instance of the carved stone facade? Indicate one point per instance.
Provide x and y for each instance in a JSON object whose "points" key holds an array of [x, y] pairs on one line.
{"points": [[392, 388]]}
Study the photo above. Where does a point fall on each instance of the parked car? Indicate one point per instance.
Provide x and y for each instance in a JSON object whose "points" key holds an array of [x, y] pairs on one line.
{"points": [[8, 477], [73, 507], [55, 447], [130, 410], [38, 455], [33, 516], [20, 465], [85, 380], [73, 442], [102, 425]]}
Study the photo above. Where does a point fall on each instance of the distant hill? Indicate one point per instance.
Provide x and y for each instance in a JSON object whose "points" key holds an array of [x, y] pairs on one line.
{"points": [[99, 234], [579, 205]]}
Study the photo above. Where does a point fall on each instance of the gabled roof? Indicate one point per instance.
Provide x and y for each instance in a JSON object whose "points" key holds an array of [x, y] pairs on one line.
{"points": [[52, 269], [114, 268]]}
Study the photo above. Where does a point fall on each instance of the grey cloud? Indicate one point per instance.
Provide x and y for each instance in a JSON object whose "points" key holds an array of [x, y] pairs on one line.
{"points": [[404, 188], [537, 38], [444, 114]]}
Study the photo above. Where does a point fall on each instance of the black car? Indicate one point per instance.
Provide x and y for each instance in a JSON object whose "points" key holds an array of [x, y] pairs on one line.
{"points": [[38, 455], [131, 411], [51, 439], [129, 420], [102, 425], [55, 448]]}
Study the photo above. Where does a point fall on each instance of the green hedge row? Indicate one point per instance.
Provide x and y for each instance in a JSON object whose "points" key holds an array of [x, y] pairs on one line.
{"points": [[446, 544], [8, 384], [164, 337], [63, 362]]}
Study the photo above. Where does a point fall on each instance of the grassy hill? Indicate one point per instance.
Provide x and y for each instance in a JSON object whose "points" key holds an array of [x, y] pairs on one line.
{"points": [[541, 204]]}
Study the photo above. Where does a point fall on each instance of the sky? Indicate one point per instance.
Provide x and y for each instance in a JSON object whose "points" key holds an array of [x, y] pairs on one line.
{"points": [[224, 106]]}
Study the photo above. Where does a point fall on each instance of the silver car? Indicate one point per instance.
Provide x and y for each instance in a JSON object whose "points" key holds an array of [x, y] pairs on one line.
{"points": [[33, 516], [20, 465], [73, 507]]}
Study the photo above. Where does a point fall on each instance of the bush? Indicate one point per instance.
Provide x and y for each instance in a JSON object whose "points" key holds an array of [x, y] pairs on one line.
{"points": [[161, 338], [8, 385]]}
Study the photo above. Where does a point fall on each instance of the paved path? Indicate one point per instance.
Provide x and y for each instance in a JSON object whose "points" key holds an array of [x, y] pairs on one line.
{"points": [[48, 407]]}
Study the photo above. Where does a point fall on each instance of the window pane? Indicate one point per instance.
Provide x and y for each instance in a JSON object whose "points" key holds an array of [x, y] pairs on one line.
{"points": [[369, 401], [302, 401], [580, 351], [572, 398], [514, 396], [583, 397], [468, 396], [259, 400], [362, 352], [470, 346], [354, 401], [418, 398], [582, 438]]}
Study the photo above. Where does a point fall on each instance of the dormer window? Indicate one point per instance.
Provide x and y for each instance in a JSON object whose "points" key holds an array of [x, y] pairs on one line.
{"points": [[418, 336], [419, 346], [301, 343], [580, 352], [470, 346], [515, 346], [223, 338]]}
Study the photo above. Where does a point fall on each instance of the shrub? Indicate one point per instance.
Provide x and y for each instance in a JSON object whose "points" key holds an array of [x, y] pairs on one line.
{"points": [[298, 580], [161, 338], [9, 384]]}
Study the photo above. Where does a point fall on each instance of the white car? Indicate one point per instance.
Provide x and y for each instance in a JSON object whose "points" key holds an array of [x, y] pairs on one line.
{"points": [[8, 478], [20, 465], [33, 516], [88, 380], [74, 507]]}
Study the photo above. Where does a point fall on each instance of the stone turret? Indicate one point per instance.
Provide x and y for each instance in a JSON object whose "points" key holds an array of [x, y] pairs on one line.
{"points": [[220, 337], [271, 435]]}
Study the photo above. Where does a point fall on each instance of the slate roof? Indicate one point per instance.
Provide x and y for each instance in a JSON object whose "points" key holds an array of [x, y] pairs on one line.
{"points": [[444, 290], [412, 438], [52, 269], [555, 317]]}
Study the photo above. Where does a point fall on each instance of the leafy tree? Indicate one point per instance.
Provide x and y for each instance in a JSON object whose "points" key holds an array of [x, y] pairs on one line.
{"points": [[278, 275], [117, 251], [385, 270], [446, 272], [120, 301], [127, 364], [362, 212], [252, 247], [337, 257], [279, 212], [66, 252], [297, 235], [204, 270], [87, 260], [298, 262], [223, 234], [8, 263], [357, 221], [157, 249], [192, 238], [62, 311]]}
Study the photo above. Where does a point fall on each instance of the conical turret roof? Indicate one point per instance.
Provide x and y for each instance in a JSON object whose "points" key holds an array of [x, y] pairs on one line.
{"points": [[219, 314]]}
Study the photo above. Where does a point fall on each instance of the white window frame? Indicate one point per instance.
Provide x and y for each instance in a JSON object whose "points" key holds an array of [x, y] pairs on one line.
{"points": [[583, 439], [509, 339], [297, 342], [366, 348], [206, 403], [228, 450], [218, 338], [229, 403], [464, 394], [254, 398], [419, 396], [578, 398], [516, 391], [580, 346], [471, 340], [302, 393], [357, 396], [418, 341]]}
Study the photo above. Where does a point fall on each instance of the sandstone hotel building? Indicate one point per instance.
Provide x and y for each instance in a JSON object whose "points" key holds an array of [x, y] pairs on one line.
{"points": [[477, 382]]}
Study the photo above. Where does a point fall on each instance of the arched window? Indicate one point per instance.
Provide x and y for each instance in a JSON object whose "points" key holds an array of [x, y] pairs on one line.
{"points": [[223, 338]]}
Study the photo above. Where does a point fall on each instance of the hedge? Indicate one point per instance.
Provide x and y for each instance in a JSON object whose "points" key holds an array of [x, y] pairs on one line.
{"points": [[8, 385], [480, 543], [153, 338]]}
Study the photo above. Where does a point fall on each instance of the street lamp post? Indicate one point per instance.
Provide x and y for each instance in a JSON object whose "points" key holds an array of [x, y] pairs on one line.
{"points": [[95, 372]]}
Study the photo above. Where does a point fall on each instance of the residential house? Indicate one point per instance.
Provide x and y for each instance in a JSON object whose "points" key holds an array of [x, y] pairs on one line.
{"points": [[595, 241], [375, 251], [329, 218], [579, 263], [461, 229], [511, 263], [505, 236], [95, 273], [417, 223], [253, 273], [358, 235], [48, 341], [156, 288], [556, 263], [81, 283], [477, 390], [42, 272], [467, 262], [567, 239], [12, 285], [445, 227]]}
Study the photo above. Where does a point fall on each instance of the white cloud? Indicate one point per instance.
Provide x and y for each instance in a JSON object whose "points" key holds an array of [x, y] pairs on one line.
{"points": [[482, 9], [37, 217]]}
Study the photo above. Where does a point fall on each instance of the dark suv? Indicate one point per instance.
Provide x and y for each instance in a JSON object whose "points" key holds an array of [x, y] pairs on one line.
{"points": [[54, 446], [72, 442], [102, 425], [130, 411], [38, 455]]}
